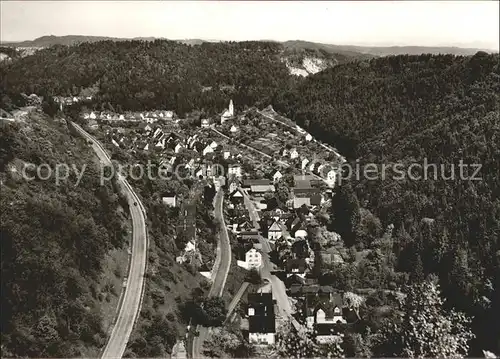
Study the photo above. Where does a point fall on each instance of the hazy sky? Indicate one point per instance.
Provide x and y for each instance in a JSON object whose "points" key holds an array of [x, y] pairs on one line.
{"points": [[462, 23]]}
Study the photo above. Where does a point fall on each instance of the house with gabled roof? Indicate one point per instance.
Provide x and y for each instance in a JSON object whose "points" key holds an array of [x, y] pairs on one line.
{"points": [[253, 260], [261, 319], [160, 144], [324, 312], [190, 164], [294, 153], [208, 149], [243, 226], [274, 231], [205, 122], [233, 182], [178, 147], [277, 176], [213, 144], [296, 266], [236, 197], [304, 163]]}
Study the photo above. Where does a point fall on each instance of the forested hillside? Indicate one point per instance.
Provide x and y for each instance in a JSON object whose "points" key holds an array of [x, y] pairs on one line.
{"points": [[402, 110], [143, 74], [55, 241]]}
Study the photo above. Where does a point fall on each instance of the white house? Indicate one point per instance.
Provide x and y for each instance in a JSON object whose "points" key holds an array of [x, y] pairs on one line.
{"points": [[146, 147], [234, 170], [301, 233], [92, 116], [115, 143], [233, 129], [309, 137], [170, 201], [227, 154], [147, 128], [277, 176], [253, 260], [122, 117], [305, 161], [331, 175], [294, 154], [205, 122], [213, 144], [207, 150], [190, 246], [178, 148], [274, 231]]}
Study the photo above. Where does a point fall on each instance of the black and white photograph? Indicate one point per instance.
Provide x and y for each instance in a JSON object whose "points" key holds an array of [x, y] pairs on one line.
{"points": [[249, 179]]}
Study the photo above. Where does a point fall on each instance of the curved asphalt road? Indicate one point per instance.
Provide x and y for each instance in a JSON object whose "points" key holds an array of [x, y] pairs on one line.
{"points": [[132, 297], [223, 263]]}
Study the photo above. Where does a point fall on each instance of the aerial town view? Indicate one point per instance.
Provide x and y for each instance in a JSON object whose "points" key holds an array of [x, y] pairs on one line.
{"points": [[186, 179]]}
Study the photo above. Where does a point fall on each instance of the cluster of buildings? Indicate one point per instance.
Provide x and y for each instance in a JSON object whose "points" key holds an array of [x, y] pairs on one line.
{"points": [[321, 308], [147, 117], [285, 228], [70, 100]]}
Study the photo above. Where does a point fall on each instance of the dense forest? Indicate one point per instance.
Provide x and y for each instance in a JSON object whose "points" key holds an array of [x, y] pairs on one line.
{"points": [[136, 75], [392, 110], [160, 74], [402, 110], [54, 241]]}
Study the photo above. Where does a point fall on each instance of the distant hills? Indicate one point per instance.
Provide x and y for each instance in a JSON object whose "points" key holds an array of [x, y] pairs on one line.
{"points": [[347, 50], [51, 40], [350, 50]]}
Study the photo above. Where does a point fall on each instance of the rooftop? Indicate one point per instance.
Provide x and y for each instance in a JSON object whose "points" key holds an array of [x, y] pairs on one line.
{"points": [[261, 306]]}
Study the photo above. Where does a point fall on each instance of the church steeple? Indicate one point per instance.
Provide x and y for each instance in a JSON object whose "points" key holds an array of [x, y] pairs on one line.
{"points": [[231, 108]]}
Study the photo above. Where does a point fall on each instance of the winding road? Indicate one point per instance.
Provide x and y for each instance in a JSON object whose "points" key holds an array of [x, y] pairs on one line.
{"points": [[221, 270], [131, 302]]}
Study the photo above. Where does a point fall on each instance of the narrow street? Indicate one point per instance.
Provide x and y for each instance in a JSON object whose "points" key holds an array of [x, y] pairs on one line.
{"points": [[221, 270], [277, 285]]}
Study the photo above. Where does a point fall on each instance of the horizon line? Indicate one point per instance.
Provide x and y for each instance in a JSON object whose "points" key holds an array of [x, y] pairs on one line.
{"points": [[359, 44]]}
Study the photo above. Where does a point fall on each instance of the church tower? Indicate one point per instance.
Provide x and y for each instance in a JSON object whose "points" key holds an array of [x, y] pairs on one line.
{"points": [[231, 108]]}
